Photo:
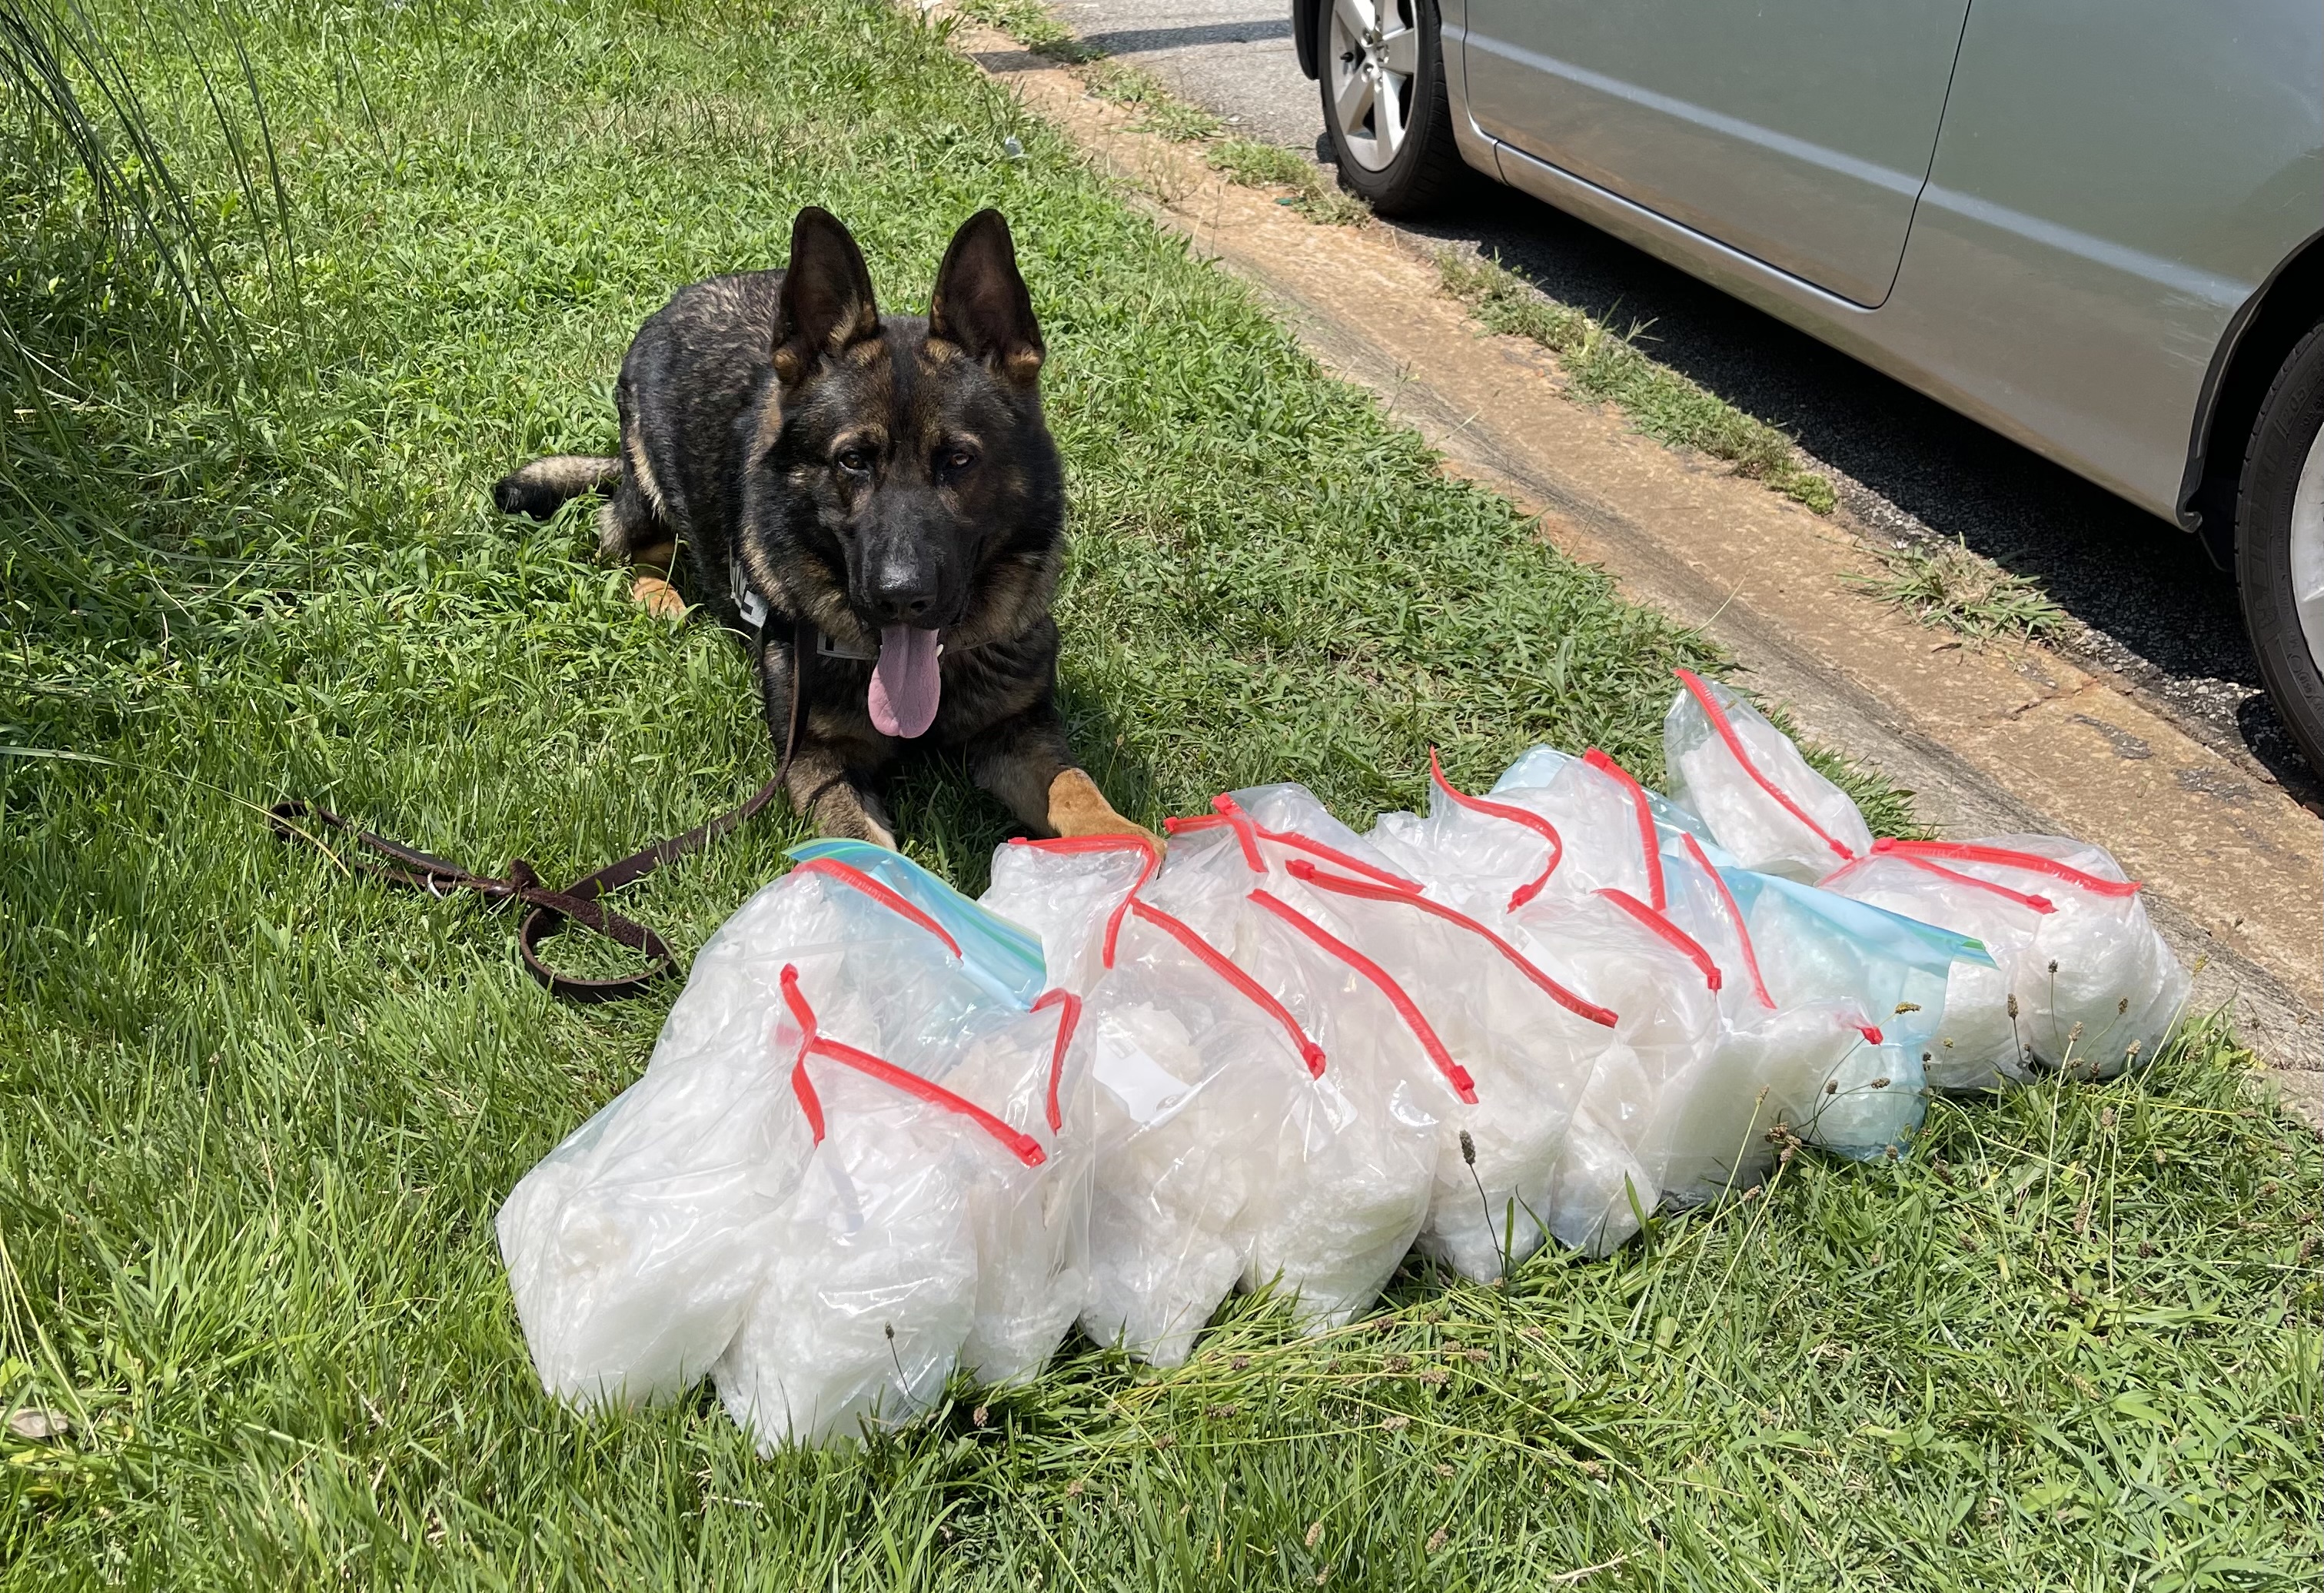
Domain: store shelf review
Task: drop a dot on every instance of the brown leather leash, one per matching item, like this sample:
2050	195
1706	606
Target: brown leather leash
577	903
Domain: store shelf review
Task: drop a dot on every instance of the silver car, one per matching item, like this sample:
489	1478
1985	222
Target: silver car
2096	225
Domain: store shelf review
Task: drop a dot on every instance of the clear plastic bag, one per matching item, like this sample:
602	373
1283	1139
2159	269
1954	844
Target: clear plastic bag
1690	1109
1527	1045
1004	956
1530	1046
1032	1229
1228	1148
1073	893
2080	978
633	1246
1623	1145
1194	1072
1885	971
928	1231
1553	826
1363	1141
1747	781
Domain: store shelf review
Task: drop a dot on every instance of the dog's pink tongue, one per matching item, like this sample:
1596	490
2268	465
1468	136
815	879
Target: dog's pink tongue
904	684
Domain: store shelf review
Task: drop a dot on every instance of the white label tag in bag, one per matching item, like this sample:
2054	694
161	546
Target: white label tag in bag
1149	1092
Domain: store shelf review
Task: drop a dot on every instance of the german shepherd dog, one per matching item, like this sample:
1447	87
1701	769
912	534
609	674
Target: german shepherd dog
873	500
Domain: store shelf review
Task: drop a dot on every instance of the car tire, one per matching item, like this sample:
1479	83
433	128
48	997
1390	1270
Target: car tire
1418	166
2280	544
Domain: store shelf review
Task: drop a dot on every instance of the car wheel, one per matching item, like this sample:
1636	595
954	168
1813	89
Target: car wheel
2280	544
1385	109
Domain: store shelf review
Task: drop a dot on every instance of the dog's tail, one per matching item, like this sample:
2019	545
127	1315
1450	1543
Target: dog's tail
541	488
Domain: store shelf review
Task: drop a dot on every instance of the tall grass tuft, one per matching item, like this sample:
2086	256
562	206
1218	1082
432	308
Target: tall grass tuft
124	287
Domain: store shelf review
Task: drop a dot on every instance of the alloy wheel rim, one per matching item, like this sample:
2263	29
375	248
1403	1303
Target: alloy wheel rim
2307	551
1374	58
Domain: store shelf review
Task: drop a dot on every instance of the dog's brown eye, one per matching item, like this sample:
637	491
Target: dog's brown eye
854	461
959	458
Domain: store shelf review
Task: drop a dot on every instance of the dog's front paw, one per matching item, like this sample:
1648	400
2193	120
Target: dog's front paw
658	597
1077	807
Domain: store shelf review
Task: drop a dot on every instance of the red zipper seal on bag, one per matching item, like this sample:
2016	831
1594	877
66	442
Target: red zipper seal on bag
1454	1073
1216	960
1515	815
1246	830
1022	1145
1648	843
1726	729
1068	845
2004	857
1742	930
1234	814
1068	1019
2040	904
847	874
1669	933
1250	830
1307	873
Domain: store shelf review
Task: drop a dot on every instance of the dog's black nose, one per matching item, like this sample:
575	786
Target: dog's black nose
903	595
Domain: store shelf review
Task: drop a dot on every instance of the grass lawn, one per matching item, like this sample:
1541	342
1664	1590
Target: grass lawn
255	1117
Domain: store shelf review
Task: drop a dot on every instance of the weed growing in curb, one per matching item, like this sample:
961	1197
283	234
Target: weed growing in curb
1944	584
1251	164
1160	112
1607	364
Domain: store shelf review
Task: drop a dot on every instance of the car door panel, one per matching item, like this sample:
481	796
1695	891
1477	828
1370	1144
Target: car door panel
2114	179
1798	131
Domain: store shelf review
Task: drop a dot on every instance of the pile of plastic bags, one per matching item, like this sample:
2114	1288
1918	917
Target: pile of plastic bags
888	1135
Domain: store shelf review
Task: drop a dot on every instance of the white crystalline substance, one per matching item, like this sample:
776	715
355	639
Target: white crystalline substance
1358	1149
1032	1248
1337	1227
1640	1102
2112	1001
1065	895
1707	781
870	1284
1810	963
1625	1145
1173	1171
1030	1224
632	1247
1599	1189
1527	1056
1822	1078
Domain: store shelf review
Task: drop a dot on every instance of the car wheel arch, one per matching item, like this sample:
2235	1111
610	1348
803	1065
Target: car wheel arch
2282	311
1303	32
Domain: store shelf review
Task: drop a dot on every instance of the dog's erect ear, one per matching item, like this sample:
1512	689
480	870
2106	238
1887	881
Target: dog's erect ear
982	306
827	301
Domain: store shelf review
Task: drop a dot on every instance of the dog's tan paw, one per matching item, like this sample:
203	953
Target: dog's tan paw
658	597
1077	807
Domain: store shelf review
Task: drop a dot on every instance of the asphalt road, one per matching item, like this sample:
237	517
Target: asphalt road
2150	605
